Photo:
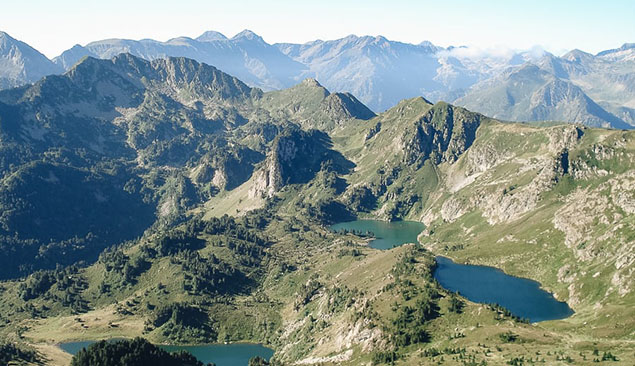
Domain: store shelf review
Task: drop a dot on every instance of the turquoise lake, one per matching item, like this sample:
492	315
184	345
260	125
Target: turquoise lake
522	297
236	354
387	234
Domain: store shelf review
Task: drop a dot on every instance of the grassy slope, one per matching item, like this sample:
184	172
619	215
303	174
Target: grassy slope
473	216
350	300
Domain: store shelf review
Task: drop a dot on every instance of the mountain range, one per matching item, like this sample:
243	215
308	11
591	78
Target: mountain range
137	118
170	200
595	90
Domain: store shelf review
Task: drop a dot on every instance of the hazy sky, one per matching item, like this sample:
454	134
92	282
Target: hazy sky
557	25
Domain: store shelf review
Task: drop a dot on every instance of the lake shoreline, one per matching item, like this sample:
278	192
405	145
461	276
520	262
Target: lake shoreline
522	293
561	309
540	284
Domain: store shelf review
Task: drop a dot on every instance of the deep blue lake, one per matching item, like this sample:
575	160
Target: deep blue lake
236	354
522	297
387	234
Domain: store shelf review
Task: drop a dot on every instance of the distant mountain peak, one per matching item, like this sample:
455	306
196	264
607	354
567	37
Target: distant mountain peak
249	35
211	36
625	47
577	55
6	39
21	64
173	40
351	38
71	56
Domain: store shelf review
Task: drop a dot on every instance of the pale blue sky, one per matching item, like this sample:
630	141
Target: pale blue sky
557	25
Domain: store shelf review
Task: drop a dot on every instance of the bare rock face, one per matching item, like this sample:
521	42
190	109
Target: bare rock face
453	208
593	218
564	138
268	180
503	204
508	203
203	174
295	157
226	169
220	178
483	157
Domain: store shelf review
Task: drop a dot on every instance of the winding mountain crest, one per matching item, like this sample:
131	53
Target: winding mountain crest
381	72
628	47
246	55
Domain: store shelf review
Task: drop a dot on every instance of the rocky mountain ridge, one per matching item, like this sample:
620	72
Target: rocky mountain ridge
155	136
594	89
21	64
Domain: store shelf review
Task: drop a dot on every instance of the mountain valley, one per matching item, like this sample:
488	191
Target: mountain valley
170	200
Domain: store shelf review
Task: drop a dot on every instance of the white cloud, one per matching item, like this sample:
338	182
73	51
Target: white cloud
497	52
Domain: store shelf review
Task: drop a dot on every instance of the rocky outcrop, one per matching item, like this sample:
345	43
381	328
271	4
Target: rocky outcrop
504	204
585	209
295	156
267	180
442	134
373	131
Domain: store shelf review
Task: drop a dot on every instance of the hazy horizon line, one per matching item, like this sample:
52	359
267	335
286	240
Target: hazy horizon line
493	49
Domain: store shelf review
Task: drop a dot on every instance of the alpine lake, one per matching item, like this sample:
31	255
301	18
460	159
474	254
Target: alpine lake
524	298
235	354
